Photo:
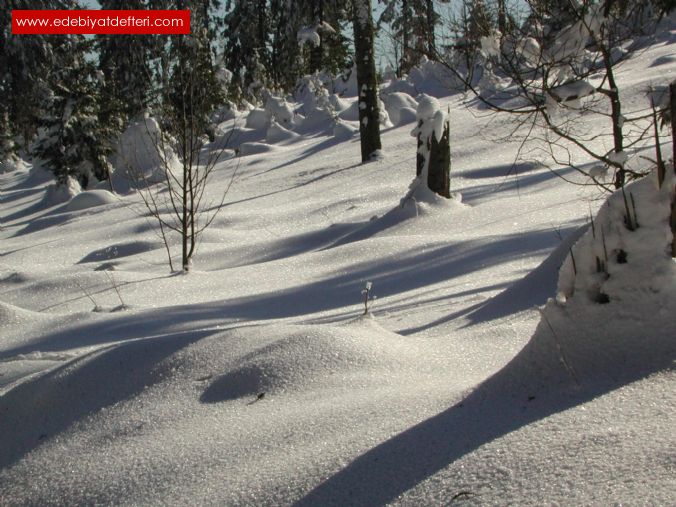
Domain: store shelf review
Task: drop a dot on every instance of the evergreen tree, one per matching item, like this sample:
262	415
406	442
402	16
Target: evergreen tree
6	136
73	142
413	24
25	63
125	63
290	61
193	89
246	43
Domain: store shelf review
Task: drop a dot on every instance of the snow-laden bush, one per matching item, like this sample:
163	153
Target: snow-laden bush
140	155
346	85
257	119
401	108
58	194
90	199
277	133
625	256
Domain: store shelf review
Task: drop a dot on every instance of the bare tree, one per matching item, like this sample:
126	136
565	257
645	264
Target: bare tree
563	83
176	195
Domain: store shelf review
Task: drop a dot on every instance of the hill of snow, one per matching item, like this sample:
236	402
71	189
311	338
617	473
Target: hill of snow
481	375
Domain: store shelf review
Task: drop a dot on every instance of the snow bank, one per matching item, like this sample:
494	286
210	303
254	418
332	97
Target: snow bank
345	130
612	319
141	156
90	199
346	85
257	119
401	108
276	133
246	149
13	315
12	164
624	257
59	194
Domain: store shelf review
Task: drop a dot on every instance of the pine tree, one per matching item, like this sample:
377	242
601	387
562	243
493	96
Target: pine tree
25	63
413	23
6	136
289	61
74	143
246	43
194	90
125	63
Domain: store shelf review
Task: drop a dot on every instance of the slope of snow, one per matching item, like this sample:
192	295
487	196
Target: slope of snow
255	379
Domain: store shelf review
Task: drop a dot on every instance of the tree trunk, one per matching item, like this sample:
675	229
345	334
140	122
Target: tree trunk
419	158
317	52
369	115
616	117
672	102
502	21
431	22
439	169
404	64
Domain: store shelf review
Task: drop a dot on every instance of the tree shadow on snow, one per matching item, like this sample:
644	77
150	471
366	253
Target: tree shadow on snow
532	290
38	410
533	386
390	274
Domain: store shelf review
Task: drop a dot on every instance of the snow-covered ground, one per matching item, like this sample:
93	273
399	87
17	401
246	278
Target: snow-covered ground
255	379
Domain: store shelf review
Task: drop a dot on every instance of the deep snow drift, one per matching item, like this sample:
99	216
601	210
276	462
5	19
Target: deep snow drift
255	380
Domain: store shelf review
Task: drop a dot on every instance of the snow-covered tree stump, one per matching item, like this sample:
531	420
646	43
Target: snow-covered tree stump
433	161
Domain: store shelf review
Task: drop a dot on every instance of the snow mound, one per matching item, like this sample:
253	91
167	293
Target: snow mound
276	133
624	255
345	130
12	164
620	270
62	193
246	149
400	107
351	113
12	315
346	85
141	155
338	103
257	119
279	111
302	358
90	199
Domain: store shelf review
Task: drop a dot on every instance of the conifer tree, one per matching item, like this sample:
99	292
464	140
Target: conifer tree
73	143
125	63
25	63
190	56
246	43
6	136
413	23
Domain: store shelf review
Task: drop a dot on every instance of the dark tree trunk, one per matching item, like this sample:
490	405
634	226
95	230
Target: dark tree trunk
431	22
369	127
502	20
262	27
317	53
616	117
672	97
404	64
439	170
420	158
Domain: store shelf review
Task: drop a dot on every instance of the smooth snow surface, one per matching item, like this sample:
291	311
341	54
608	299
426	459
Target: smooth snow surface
480	376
